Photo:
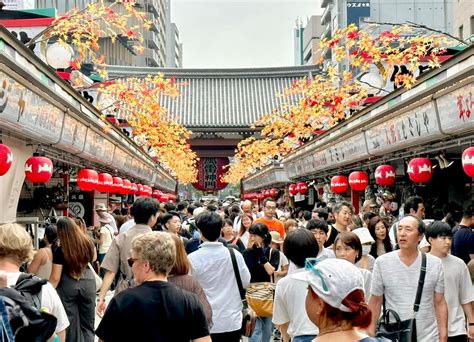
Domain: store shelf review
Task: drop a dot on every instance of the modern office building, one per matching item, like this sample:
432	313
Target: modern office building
157	11
463	18
307	50
174	49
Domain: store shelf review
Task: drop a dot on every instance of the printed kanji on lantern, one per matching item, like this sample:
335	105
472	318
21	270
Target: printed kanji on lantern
468	161
117	185
420	170
6	159
273	192
385	175
87	179
302	188
105	182
292	189
127	187
339	184
38	169
358	180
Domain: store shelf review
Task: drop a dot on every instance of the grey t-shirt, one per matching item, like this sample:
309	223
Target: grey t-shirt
399	282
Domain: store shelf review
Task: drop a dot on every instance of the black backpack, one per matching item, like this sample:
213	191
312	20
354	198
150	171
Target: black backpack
23	306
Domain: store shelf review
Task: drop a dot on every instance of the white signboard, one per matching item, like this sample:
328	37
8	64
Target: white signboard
456	110
19	4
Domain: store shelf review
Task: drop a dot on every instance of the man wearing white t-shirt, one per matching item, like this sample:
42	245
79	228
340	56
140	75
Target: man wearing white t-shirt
290	294
395	277
459	292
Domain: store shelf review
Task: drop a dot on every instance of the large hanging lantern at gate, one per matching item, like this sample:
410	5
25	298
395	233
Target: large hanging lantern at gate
302	188
358	180
38	169
105	182
420	170
210	171
339	184
385	175
468	161
292	189
6	159
87	179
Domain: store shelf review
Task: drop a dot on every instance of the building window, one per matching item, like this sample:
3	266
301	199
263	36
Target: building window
472	25
460	32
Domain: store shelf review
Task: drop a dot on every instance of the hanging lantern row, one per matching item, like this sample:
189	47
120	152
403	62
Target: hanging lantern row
89	180
273	193
300	188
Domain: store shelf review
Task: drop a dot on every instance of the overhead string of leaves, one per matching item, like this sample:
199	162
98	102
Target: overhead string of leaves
331	97
137	100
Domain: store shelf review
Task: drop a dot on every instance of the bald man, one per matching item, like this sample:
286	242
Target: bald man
246	207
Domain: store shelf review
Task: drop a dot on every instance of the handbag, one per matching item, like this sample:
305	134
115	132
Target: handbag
249	318
98	280
402	331
260	296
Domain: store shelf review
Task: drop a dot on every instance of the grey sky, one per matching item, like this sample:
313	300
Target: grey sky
244	33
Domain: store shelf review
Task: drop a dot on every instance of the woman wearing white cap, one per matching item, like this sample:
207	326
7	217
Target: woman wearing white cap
335	300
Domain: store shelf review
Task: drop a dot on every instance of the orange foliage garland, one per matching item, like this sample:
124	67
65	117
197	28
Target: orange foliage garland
137	101
330	98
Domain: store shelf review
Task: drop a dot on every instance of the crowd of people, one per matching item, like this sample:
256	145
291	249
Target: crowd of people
176	272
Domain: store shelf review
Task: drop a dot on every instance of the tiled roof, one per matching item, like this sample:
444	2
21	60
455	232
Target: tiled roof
224	97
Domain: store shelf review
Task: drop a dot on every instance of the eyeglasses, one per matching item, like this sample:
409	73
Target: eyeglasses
131	261
310	265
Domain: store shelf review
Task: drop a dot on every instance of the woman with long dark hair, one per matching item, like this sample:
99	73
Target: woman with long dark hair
378	228
74	280
246	221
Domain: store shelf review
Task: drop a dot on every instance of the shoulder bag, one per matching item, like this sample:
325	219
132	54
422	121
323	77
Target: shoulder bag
249	318
402	331
260	296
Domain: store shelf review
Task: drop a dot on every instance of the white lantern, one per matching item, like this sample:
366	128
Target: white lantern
59	55
371	82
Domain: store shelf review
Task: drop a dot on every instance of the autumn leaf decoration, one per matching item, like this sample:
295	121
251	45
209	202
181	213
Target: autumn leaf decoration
83	29
137	101
329	98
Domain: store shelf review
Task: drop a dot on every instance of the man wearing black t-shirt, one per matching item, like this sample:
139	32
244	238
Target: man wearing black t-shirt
463	238
343	212
155	310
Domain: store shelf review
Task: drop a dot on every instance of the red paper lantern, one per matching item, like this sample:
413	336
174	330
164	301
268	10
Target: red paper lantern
292	189
87	180
358	180
127	187
210	171
385	175
302	188
164	198
104	183
6	159
38	169
260	196
117	186
134	189
420	170
148	190
468	161
139	190
172	197
273	192
339	184
266	193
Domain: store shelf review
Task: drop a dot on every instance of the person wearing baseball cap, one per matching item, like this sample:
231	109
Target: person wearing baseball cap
335	300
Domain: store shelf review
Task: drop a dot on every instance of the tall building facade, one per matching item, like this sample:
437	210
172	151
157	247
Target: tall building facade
174	48
463	19
307	40
122	53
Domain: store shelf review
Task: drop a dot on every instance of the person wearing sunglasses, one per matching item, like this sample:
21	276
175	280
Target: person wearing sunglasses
154	310
335	300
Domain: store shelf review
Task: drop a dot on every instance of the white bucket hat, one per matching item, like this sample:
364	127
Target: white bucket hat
332	280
